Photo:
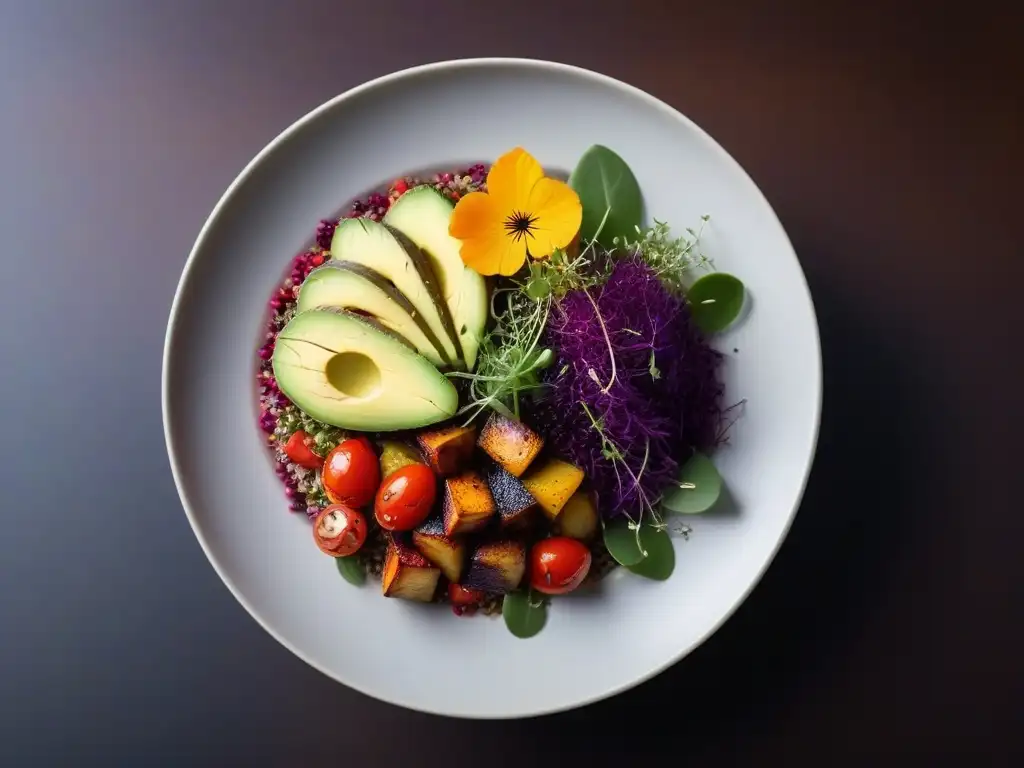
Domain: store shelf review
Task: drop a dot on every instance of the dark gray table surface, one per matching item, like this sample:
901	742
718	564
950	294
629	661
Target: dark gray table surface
889	140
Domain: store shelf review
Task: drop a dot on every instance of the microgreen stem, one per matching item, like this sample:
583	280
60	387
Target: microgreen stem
607	340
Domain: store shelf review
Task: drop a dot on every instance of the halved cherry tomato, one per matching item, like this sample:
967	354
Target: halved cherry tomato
351	473
339	531
405	498
463	597
558	565
299	450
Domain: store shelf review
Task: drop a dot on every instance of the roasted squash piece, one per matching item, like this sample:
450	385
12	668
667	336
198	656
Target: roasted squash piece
395	454
449	449
578	518
510	443
468	504
446	553
514	503
496	567
552	484
407	574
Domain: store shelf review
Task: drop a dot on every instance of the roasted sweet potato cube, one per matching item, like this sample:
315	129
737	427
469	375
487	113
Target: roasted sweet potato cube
510	443
449	449
552	484
496	567
467	505
395	454
407	574
515	504
446	553
578	518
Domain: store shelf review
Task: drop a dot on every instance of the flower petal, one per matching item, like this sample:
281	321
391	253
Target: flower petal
495	254
475	215
558	213
511	179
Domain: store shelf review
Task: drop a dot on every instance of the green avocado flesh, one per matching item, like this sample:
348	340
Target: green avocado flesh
354	287
346	371
423	215
397	259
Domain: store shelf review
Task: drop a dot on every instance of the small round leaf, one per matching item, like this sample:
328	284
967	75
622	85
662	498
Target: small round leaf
661	555
524	612
715	301
697	489
621	542
351	569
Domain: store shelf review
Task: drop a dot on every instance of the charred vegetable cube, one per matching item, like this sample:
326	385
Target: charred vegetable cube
552	484
510	443
446	553
468	504
578	518
496	567
407	574
394	455
515	504
448	450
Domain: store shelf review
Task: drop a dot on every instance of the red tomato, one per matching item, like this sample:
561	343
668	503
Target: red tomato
458	595
405	499
351	473
558	565
339	531
299	451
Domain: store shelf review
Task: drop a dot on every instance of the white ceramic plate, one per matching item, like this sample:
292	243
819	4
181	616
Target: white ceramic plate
443	116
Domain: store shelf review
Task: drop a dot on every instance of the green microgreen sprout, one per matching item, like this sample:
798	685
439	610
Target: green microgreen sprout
670	257
510	358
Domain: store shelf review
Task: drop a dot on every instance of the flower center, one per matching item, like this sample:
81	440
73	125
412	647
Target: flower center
520	224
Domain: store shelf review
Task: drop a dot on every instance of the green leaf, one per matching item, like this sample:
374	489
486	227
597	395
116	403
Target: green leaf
524	612
697	489
351	569
538	288
715	301
610	196
621	542
661	555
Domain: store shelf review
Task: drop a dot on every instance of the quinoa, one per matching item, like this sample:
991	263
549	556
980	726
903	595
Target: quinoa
279	418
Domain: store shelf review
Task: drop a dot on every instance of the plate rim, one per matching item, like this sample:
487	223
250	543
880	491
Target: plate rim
425	69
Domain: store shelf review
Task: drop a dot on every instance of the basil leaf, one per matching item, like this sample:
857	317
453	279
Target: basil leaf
351	569
524	612
715	301
697	489
610	196
620	541
661	555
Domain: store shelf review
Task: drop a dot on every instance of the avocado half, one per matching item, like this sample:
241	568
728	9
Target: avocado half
397	259
349	372
423	214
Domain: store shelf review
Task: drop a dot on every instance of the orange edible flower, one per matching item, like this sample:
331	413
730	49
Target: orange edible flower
523	212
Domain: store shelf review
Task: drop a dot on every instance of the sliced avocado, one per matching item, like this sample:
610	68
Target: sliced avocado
396	258
347	371
351	286
423	214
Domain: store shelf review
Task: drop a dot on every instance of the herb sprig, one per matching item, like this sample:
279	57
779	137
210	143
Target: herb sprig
511	358
670	257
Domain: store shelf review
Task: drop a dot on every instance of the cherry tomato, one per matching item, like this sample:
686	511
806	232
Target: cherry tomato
458	595
558	565
351	473
339	531
405	498
299	450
